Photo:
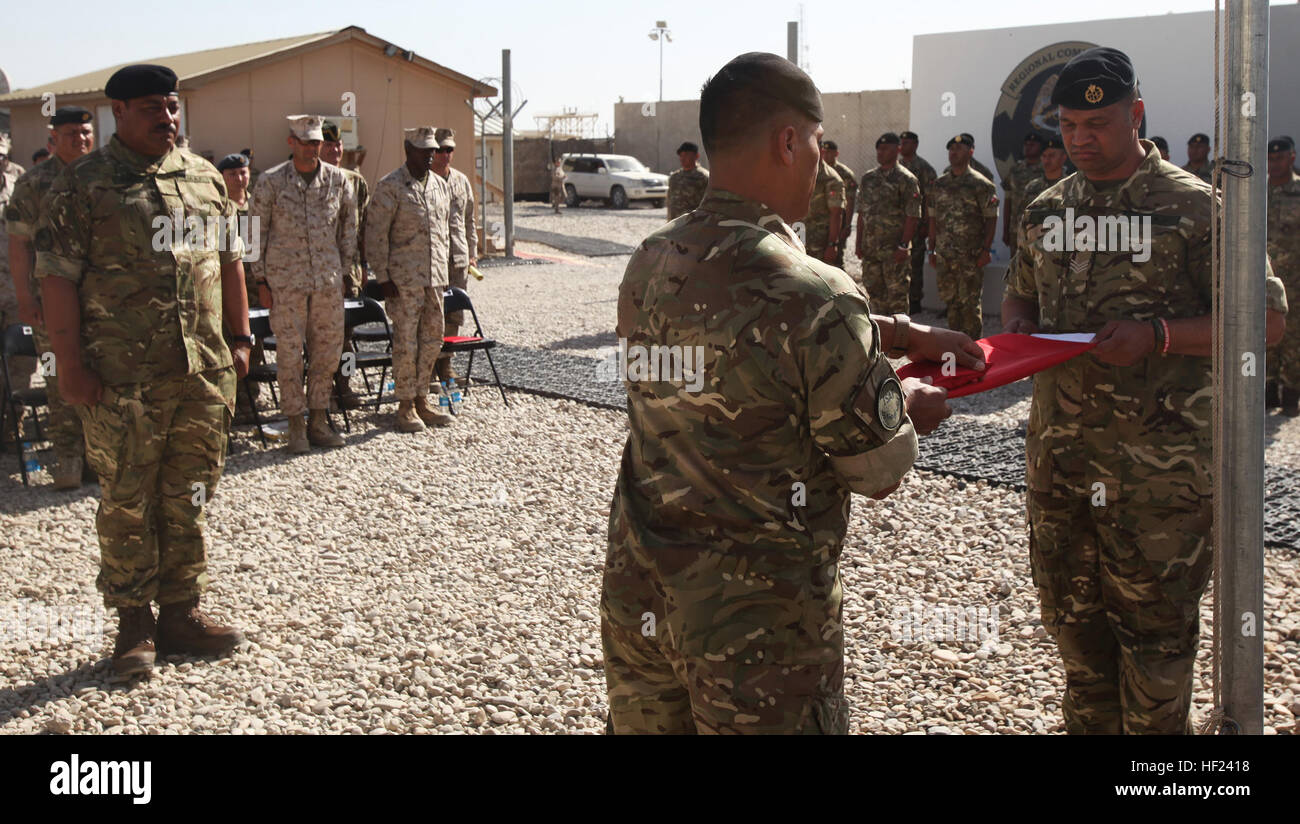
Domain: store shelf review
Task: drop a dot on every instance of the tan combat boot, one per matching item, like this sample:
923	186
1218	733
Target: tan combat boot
430	414
68	472
182	629
297	444
407	420
134	651
319	432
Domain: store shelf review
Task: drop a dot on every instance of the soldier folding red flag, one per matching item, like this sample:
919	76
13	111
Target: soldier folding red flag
1007	358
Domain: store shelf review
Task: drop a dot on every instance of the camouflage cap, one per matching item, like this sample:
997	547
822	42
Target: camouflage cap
1281	144
1198	138
330	132
70	114
1094	78
141	80
422	137
446	138
306	126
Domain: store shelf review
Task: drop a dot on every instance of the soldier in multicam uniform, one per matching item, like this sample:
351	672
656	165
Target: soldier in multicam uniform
963	206
831	154
925	176
889	209
822	224
557	184
1284	251
720	605
307	215
1028	168
1053	160
135	323
407	234
73	136
686	185
331	152
22	369
1198	157
1119	440
234	170
463	242
1162	145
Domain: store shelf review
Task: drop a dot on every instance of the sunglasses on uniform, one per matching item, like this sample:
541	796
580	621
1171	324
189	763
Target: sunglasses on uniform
443	150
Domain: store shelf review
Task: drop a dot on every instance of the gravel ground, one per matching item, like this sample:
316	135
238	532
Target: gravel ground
448	581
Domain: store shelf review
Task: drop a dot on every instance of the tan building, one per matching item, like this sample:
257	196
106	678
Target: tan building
237	97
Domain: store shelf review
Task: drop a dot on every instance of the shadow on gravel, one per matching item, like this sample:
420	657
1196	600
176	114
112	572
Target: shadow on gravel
584	341
99	675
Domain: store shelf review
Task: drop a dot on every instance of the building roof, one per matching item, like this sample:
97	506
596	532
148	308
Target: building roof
197	68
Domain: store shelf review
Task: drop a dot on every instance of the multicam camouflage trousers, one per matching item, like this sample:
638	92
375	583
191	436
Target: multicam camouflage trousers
1120	587
887	283
159	450
64	427
315	318
961	288
416	313
916	287
1286	355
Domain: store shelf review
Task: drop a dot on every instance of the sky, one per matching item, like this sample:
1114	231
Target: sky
564	54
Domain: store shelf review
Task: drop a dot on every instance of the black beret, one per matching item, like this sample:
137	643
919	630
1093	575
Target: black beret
1161	143
71	114
962	139
688	146
1281	144
330	132
40	154
909	136
1054	142
775	77
831	144
888	139
1199	138
140	80
969	138
232	161
1036	137
1094	78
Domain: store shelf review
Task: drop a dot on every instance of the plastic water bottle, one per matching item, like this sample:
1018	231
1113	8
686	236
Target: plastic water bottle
456	399
392	386
30	461
444	398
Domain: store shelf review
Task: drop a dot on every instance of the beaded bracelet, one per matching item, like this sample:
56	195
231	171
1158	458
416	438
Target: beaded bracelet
1165	325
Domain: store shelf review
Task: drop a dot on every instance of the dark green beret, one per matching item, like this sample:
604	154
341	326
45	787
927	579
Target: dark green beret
141	80
330	132
232	161
1054	142
1281	144
1036	137
888	139
962	139
71	114
1161	143
831	144
688	147
1094	78
909	136
1198	138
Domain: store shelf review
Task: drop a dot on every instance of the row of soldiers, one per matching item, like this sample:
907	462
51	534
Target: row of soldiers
151	336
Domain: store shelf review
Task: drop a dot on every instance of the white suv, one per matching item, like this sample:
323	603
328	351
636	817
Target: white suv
615	179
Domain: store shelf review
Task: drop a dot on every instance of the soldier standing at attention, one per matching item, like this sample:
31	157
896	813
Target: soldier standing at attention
889	210
1284	252
1162	145
407	240
925	176
963	217
1028	168
135	323
557	184
74	137
307	212
686	185
234	170
1054	158
1198	157
1119	440
463	242
720	606
825	212
331	152
831	154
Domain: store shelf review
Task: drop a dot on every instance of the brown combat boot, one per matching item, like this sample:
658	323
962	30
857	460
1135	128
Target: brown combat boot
182	629
430	414
68	472
297	444
134	651
407	420
319	432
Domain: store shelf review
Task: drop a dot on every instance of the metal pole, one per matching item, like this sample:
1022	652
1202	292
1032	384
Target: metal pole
661	66
1240	465
482	181
508	152
792	41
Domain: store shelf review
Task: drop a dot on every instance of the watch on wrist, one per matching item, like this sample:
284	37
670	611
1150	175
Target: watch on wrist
248	339
902	331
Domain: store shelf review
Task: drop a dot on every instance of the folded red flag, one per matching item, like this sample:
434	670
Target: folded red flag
1007	359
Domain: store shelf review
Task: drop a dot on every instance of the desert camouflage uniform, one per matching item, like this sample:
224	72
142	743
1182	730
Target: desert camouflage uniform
1284	252
21	215
463	244
1120	583
886	198
557	186
686	190
1015	185
850	206
356	275
925	177
21	369
720	606
828	193
309	239
151	330
407	235
960	205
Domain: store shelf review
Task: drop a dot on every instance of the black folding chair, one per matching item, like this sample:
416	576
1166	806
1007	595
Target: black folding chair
454	299
259	323
373	332
366	312
19	343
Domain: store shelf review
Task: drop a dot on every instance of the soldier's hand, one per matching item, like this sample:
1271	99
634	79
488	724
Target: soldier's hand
29	312
1124	342
80	385
1021	326
264	295
927	405
900	256
936	344
984	258
240	353
388	289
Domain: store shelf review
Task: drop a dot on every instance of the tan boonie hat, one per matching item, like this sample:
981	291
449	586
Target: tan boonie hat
306	126
446	138
422	137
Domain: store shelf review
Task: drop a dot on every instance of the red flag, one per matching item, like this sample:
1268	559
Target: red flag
1007	358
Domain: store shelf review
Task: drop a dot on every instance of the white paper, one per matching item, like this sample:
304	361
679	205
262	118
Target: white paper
1068	337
